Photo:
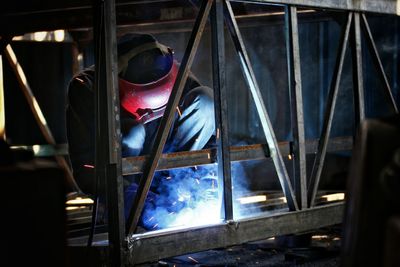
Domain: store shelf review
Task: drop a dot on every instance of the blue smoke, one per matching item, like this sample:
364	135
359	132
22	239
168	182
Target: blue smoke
180	197
189	197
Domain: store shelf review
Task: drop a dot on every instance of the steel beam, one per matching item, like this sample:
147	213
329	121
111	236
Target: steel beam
377	61
158	245
134	165
358	79
2	108
166	121
328	115
108	168
378	6
260	106
221	108
296	99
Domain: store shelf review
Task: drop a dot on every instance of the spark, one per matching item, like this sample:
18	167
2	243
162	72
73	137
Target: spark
174	203
190	258
80	80
155	225
88	166
197	181
149	220
179	111
195	167
208	155
290	157
168	178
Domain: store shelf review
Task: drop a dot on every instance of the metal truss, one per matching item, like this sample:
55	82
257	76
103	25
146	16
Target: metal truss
302	215
128	248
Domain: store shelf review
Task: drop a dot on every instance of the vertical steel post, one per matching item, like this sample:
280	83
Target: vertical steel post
358	81
296	99
328	115
2	108
261	109
378	63
108	167
221	107
166	121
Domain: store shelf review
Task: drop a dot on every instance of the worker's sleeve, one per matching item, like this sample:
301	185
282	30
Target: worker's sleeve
195	124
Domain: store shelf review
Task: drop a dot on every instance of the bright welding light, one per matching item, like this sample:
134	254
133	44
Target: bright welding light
319	237
72	208
35	149
39	36
59	35
252	199
333	197
284	200
398	7
80	201
204	213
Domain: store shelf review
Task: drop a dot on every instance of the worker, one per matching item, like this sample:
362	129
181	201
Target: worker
147	72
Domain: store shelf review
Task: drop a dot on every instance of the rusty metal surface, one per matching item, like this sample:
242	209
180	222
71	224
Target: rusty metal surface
155	246
134	165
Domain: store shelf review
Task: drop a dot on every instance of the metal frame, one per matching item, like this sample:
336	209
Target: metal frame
155	245
127	248
296	99
166	121
108	170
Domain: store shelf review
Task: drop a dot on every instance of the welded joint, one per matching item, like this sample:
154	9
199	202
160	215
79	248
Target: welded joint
233	224
267	150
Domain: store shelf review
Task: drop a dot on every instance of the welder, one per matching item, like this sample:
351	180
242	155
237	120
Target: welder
147	72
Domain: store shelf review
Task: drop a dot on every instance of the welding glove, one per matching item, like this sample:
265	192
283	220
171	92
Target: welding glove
195	125
133	137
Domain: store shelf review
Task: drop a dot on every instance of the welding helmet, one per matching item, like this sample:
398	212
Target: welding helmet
147	72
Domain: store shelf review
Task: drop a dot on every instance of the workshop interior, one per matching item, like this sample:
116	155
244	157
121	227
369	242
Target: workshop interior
302	167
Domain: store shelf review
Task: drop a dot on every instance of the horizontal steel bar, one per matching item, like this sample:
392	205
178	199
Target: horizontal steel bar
158	245
44	150
377	6
134	165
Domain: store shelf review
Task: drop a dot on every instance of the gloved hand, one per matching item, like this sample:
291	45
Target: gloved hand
133	140
195	124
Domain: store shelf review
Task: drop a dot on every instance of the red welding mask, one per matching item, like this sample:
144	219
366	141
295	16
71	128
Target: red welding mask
147	76
147	102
